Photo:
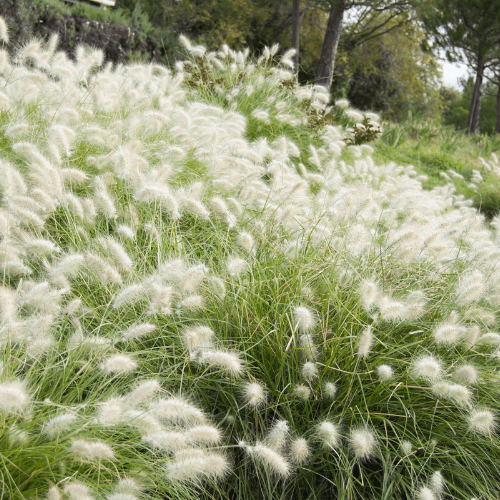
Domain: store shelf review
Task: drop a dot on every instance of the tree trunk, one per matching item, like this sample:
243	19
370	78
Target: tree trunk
475	105
330	44
295	34
498	106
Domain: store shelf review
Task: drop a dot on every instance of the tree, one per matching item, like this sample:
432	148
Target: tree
470	30
493	92
494	79
238	23
336	10
391	73
498	104
295	33
457	113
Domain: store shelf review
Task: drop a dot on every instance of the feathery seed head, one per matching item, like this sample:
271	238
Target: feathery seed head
365	342
415	305
466	374
370	293
447	333
54	493
425	493
299	451
110	412
138	331
73	306
126	232
128	295
428	367
385	372
119	363
363	442
254	394
17	436
166	441
121	496
277	435
192	277
205	434
390	310
177	411
92	450
8	305
246	241
302	392
117	253
227	361
59	424
102	199
219	205
330	389
13	396
472	335
127	485
406	447
199	337
195	207
269	458
77	491
309	371
142	392
308	349
471	287
161	302
102	269
287	58
305	319
142	420
217	286
355	115
236	267
4	31
193	465
329	434
441	389
490	338
191	302
482	421
437	483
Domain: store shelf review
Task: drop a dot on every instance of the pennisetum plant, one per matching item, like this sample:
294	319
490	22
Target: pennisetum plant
202	296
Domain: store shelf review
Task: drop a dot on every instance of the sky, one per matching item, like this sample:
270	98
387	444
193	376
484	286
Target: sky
451	74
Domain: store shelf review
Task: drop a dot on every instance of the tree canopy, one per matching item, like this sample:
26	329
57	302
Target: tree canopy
378	53
392	72
470	30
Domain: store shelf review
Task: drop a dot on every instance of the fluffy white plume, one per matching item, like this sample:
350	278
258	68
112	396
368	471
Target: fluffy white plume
13	396
92	450
59	424
305	319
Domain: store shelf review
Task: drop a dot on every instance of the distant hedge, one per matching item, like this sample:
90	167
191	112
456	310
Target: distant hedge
118	34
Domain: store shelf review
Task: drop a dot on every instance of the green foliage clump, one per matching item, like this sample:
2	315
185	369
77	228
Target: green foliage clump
457	110
363	133
114	15
444	155
200	76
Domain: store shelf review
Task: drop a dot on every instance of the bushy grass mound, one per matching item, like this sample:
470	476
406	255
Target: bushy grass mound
446	156
200	299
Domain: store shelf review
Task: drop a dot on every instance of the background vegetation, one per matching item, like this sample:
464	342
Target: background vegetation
385	60
213	286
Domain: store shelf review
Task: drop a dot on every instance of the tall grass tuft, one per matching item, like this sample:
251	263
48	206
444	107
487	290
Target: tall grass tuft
201	297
